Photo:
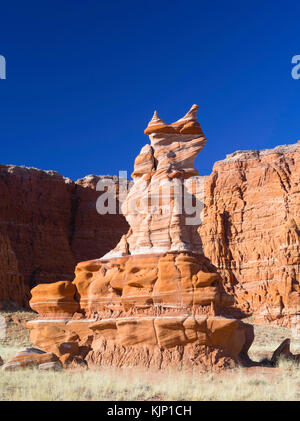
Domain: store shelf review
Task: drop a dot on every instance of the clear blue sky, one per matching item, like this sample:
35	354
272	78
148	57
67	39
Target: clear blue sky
84	77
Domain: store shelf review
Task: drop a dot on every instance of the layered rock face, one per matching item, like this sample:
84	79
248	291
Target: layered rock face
250	231
47	224
155	300
12	286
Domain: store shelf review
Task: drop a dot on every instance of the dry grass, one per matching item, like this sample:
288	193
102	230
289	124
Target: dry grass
17	336
134	384
253	384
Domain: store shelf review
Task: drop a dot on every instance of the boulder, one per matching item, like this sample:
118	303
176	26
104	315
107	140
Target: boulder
29	358
284	352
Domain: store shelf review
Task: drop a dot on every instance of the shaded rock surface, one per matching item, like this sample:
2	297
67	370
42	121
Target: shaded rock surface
47	224
284	352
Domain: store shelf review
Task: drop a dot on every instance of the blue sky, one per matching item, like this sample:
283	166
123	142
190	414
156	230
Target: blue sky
83	78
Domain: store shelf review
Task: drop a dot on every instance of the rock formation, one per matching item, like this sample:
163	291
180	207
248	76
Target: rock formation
32	357
155	300
251	231
48	223
284	352
244	218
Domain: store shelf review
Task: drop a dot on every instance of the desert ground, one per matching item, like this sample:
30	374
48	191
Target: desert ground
257	383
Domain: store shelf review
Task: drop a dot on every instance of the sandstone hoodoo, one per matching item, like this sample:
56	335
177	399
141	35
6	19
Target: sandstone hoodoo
155	300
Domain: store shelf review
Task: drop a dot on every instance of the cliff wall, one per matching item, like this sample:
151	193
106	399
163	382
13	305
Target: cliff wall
48	223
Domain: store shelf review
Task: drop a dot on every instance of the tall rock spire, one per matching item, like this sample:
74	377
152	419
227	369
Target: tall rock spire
156	120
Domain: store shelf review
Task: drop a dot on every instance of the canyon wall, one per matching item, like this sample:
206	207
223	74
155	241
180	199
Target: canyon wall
250	230
48	223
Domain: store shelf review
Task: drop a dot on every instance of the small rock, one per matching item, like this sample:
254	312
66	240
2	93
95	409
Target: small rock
283	351
51	366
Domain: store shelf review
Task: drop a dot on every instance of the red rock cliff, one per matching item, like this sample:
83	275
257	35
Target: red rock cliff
250	230
47	224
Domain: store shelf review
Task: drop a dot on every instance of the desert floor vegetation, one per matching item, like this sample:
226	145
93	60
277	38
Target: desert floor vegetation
136	384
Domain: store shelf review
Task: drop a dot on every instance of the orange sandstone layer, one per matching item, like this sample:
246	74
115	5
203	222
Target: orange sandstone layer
137	307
